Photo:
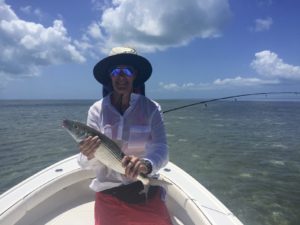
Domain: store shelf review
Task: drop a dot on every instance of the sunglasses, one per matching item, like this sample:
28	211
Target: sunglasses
118	71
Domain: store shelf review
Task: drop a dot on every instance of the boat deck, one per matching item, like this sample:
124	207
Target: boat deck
60	194
78	215
77	211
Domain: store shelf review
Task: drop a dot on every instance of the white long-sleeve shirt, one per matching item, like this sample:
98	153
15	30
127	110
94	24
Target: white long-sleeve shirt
140	132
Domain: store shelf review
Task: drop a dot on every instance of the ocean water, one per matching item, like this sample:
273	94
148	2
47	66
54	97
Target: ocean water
247	153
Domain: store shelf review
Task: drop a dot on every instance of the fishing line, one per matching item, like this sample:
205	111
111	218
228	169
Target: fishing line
230	97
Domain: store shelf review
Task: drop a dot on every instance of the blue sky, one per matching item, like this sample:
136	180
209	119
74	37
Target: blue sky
198	48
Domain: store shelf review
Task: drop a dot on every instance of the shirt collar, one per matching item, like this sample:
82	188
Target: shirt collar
133	99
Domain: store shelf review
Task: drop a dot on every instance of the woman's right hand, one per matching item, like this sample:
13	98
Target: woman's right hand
89	145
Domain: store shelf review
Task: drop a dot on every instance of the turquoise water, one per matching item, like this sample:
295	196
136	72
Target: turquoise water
247	153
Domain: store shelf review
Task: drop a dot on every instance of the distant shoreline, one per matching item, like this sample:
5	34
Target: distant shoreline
166	99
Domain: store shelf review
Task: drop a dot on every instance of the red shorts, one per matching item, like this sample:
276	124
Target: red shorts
111	211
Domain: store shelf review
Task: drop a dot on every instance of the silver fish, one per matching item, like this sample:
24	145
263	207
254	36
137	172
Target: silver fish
108	153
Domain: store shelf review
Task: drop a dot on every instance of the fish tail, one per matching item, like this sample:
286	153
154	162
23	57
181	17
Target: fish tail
153	181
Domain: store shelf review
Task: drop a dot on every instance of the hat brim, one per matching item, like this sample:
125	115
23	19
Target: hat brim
140	64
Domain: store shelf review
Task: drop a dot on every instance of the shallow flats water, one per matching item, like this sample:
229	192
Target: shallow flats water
246	153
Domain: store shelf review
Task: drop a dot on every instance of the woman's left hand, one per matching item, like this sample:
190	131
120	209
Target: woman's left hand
133	166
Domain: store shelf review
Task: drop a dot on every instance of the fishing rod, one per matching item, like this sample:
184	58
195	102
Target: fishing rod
229	97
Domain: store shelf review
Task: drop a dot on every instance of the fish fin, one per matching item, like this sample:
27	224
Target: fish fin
159	180
156	180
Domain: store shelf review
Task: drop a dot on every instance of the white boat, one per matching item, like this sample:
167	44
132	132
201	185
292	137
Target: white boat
59	195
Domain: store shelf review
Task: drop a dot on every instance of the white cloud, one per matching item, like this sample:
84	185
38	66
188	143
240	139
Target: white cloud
27	46
265	3
6	12
156	25
186	86
240	81
268	63
94	31
101	5
28	10
218	83
263	24
171	86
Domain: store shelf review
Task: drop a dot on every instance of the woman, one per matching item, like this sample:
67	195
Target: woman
135	123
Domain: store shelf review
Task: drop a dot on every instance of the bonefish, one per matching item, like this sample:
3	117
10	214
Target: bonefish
108	152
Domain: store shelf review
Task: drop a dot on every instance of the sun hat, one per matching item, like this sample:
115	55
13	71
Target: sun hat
123	56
